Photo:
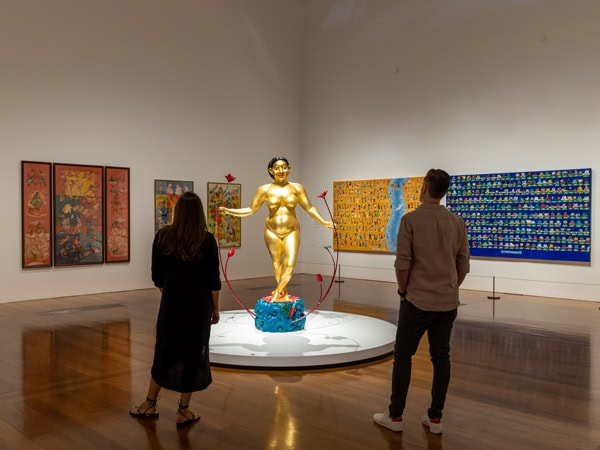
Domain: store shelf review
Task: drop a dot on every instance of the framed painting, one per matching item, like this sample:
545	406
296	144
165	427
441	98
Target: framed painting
368	212
227	229
36	214
166	194
116	214
78	214
541	216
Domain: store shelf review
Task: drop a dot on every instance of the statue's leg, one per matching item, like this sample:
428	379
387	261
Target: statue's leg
290	245
275	246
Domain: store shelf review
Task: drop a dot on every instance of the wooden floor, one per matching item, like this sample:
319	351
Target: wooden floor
526	375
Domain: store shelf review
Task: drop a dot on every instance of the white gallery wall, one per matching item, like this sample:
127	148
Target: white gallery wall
393	88
183	90
347	89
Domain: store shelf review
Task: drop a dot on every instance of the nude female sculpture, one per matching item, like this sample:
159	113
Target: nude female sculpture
282	229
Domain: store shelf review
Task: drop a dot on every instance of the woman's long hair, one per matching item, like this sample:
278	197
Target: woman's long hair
185	236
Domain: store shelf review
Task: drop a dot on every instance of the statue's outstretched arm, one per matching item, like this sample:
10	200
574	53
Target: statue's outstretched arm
257	201
309	207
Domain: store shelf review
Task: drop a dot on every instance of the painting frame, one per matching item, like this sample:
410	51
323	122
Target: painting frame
36	214
367	212
226	229
535	216
117	215
78	220
166	195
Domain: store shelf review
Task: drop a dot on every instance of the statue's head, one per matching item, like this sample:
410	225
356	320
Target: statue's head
273	161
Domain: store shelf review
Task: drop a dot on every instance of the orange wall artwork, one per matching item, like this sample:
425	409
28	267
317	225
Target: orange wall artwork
368	212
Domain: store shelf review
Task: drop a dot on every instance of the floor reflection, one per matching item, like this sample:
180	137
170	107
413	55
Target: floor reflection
499	357
70	364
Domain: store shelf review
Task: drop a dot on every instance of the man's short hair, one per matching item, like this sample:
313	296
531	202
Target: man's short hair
438	182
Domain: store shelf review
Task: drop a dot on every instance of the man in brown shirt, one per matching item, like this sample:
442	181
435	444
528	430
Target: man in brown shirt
432	260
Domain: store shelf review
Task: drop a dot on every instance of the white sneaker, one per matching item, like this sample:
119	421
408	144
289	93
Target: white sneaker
386	421
434	425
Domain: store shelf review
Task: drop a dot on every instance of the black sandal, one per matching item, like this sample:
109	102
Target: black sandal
139	411
195	417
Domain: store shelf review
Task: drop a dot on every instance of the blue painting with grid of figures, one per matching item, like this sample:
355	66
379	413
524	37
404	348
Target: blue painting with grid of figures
541	215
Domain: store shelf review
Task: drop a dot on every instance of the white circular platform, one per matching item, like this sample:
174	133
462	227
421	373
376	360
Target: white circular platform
329	338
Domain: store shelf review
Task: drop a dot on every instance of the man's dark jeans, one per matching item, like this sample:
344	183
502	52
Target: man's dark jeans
412	324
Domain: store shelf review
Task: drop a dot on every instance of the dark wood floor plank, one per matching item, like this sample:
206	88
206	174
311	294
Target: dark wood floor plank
526	375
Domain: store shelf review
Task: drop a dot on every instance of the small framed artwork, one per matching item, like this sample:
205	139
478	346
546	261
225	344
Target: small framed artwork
166	194
78	214
227	229
116	214
36	214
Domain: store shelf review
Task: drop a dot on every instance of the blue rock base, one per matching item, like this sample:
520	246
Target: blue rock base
279	317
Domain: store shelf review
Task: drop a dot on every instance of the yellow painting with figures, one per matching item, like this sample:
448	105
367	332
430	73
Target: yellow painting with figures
367	213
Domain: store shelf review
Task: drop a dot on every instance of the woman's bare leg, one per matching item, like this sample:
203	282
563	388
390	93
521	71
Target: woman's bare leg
153	390
148	406
184	414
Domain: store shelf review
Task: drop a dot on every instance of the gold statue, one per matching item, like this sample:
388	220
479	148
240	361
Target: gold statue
282	229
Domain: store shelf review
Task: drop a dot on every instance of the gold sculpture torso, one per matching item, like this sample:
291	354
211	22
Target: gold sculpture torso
282	229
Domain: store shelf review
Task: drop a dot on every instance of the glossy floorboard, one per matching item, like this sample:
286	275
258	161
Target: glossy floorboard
526	375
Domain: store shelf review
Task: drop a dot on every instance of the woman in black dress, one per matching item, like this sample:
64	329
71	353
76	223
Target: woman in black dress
185	267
